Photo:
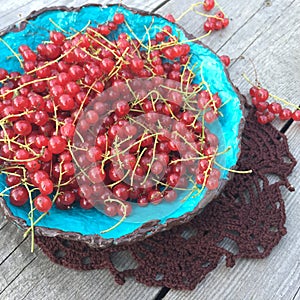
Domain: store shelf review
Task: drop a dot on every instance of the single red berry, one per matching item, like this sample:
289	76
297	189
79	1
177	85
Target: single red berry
142	200
208	5
170	18
42	203
296	115
262	106
12	180
253	91
18	196
262	119
22	127
155	196
285	114
111	209
225	59
96	175
85	203
57	144
119	18
225	22
46	186
3	74
220	14
170	195
121	191
275	108
208	26
125	209
262	94
212	183
57	38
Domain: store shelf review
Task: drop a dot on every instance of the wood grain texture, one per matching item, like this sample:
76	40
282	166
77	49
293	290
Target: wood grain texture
15	263
3	221
10	239
44	280
270	36
15	11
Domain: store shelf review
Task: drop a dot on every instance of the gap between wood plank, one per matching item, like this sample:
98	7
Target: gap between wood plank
162	293
13	251
160	6
18	275
298	291
1	227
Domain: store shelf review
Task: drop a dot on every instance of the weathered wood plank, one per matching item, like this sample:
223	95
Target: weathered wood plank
3	221
10	239
248	19
297	296
13	265
275	56
44	280
18	11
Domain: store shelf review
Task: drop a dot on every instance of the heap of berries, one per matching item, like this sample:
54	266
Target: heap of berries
70	125
268	111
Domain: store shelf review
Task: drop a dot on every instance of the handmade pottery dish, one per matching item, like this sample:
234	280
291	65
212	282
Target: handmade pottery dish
87	225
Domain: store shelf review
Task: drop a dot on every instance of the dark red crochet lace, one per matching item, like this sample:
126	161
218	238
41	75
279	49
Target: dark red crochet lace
246	220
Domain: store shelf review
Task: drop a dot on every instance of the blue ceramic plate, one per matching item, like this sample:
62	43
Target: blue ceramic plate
87	225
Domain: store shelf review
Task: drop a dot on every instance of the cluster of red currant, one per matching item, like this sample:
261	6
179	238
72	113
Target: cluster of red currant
267	112
213	22
85	88
216	22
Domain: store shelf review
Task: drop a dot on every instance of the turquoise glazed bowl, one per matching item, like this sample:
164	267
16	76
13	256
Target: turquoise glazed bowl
87	225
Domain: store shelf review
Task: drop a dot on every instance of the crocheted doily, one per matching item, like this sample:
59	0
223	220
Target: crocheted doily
246	220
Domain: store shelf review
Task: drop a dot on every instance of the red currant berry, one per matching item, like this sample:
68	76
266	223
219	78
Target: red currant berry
57	144
46	186
119	18
18	196
208	5
225	59
296	115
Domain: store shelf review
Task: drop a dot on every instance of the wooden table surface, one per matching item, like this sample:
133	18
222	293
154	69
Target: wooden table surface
264	31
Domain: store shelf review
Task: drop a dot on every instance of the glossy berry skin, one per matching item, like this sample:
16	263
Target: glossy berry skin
118	18
18	196
57	144
22	127
121	191
225	59
46	186
285	114
170	18
296	115
42	203
208	5
262	94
